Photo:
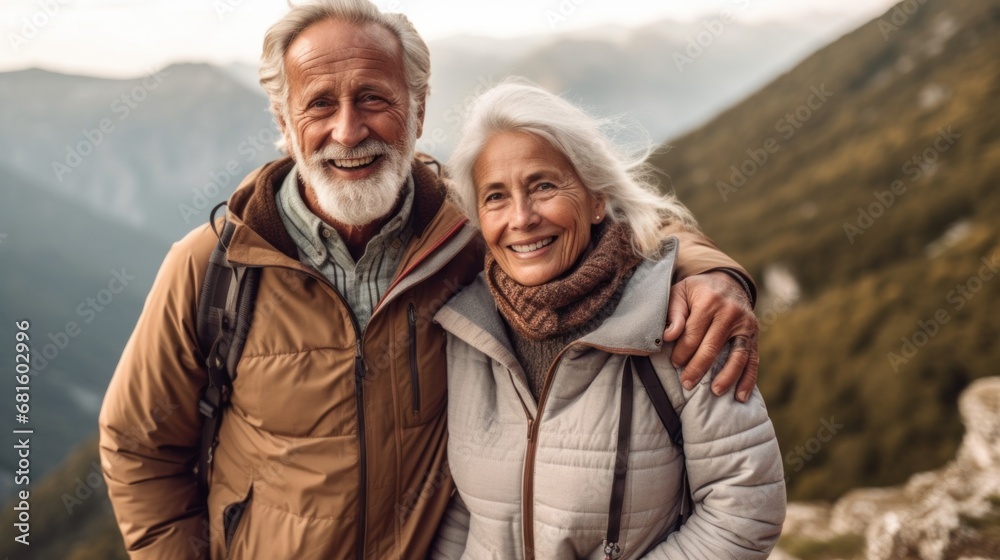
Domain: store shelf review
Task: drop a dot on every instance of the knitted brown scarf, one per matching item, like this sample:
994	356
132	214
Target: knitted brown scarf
568	302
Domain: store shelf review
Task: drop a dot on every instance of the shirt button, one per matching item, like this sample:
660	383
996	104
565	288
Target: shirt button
327	233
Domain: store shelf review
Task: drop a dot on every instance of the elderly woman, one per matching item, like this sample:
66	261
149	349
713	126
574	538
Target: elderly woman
562	397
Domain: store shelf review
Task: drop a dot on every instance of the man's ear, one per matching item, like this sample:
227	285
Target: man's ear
420	116
279	117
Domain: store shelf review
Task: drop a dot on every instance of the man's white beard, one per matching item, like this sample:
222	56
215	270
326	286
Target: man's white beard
363	201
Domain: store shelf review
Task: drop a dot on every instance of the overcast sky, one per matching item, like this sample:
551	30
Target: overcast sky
132	37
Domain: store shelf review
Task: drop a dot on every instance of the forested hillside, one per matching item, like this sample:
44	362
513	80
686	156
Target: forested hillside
868	175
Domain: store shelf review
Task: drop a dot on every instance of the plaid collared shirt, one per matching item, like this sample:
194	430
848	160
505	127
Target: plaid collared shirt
362	283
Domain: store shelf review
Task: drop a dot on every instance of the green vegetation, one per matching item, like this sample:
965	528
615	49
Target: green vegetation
71	517
822	205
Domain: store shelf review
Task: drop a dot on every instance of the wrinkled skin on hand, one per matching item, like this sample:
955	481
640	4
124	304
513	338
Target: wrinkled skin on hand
706	312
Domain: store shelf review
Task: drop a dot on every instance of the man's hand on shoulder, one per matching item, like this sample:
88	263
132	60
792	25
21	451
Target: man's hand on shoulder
706	311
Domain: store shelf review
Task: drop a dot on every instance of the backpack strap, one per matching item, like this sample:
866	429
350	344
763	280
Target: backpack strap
611	548
225	309
671	421
643	367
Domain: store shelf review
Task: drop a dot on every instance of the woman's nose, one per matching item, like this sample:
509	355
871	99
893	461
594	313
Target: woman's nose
524	215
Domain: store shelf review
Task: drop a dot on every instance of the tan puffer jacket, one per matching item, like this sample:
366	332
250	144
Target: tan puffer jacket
534	478
311	459
311	464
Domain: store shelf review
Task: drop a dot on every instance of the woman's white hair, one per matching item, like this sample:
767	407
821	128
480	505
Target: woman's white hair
624	181
274	78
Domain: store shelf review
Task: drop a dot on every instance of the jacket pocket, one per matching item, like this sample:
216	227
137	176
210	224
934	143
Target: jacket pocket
411	315
232	518
420	366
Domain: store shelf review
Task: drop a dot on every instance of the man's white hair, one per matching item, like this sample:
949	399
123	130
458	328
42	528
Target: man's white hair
272	73
623	181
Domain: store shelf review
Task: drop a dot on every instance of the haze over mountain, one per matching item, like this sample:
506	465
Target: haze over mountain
135	151
666	77
158	151
677	74
79	280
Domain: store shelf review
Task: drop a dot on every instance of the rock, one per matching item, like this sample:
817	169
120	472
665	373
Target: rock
779	554
856	510
934	516
979	406
808	520
943	499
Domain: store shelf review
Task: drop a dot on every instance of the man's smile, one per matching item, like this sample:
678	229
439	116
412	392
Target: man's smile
353	163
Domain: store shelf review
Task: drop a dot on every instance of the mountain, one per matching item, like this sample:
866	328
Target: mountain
677	75
160	150
868	176
79	280
668	92
156	151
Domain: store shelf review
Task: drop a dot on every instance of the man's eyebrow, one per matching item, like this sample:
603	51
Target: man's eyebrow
382	90
315	90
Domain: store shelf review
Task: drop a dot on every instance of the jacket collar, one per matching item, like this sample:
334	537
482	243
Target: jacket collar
636	327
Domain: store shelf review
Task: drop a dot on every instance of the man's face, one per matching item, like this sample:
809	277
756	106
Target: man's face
349	119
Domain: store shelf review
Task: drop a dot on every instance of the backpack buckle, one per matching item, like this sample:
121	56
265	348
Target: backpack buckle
208	405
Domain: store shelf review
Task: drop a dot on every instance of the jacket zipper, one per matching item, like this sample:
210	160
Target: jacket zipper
359	380
528	483
528	494
411	314
359	375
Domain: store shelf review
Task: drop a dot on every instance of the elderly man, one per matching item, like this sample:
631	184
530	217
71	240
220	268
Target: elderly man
333	443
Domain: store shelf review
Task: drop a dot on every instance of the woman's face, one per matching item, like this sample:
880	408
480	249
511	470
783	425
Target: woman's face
534	210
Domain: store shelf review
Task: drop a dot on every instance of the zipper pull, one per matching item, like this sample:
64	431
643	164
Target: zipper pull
411	312
359	362
531	424
611	550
